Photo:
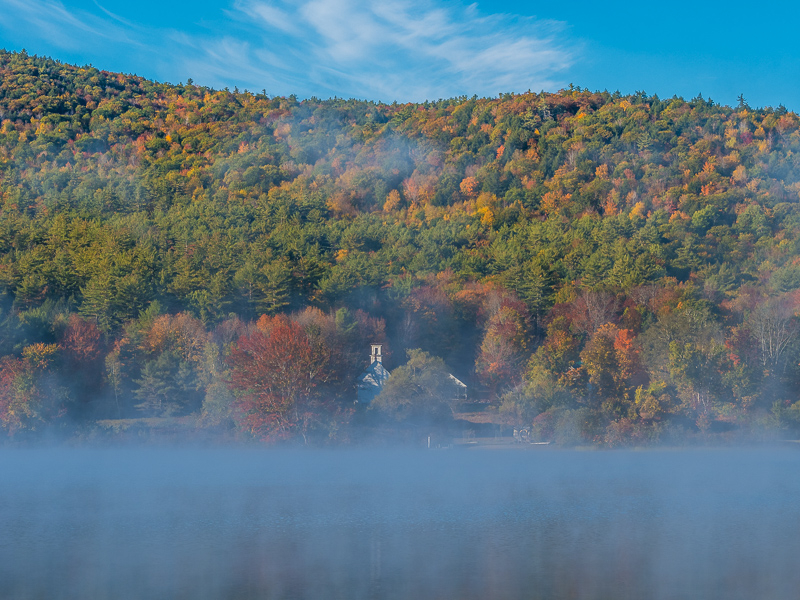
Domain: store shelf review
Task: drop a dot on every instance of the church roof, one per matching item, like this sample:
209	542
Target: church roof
457	381
374	375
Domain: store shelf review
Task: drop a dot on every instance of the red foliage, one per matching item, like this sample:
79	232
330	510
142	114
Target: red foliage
82	341
590	310
741	346
275	370
502	351
430	305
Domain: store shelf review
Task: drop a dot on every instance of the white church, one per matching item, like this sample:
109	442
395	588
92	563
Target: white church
372	380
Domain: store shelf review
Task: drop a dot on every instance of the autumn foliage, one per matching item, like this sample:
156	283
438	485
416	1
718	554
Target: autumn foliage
276	369
602	268
30	397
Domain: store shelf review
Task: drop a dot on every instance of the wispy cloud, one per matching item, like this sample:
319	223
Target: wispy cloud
394	50
61	26
411	48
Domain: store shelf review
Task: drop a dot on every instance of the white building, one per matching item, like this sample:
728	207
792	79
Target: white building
371	381
460	389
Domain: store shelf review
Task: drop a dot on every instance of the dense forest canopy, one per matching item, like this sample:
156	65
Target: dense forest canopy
601	268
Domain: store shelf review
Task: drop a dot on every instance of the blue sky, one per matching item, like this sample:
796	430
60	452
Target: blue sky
413	50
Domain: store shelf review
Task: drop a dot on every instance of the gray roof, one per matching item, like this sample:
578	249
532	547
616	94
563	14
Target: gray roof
457	381
374	375
371	381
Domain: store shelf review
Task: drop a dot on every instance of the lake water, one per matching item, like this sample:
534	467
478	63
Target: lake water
352	524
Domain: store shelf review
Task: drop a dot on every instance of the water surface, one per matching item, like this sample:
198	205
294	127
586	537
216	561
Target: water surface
351	524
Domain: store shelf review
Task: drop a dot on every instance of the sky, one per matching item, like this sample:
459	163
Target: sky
415	50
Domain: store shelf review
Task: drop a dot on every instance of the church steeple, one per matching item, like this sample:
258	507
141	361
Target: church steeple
374	376
375	354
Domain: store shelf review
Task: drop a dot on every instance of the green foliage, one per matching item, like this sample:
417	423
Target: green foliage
421	391
671	220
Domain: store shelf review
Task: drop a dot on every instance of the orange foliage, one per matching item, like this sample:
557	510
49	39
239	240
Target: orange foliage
553	200
626	352
181	333
469	187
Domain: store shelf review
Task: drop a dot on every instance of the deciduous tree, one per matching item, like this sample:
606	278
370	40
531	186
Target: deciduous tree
421	391
275	370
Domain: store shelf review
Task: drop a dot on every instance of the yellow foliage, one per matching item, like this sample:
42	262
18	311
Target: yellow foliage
433	212
393	201
638	210
652	403
731	159
43	128
39	354
485	199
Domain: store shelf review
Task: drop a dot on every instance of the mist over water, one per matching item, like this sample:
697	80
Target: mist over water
181	523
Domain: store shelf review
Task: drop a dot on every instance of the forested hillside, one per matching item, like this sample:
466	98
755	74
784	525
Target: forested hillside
605	269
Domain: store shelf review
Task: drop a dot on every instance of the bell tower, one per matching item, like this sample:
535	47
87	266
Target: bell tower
375	354
372	380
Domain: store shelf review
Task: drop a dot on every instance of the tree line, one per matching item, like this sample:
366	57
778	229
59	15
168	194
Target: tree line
601	268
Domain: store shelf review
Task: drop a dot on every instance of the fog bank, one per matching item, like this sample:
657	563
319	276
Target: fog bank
156	523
